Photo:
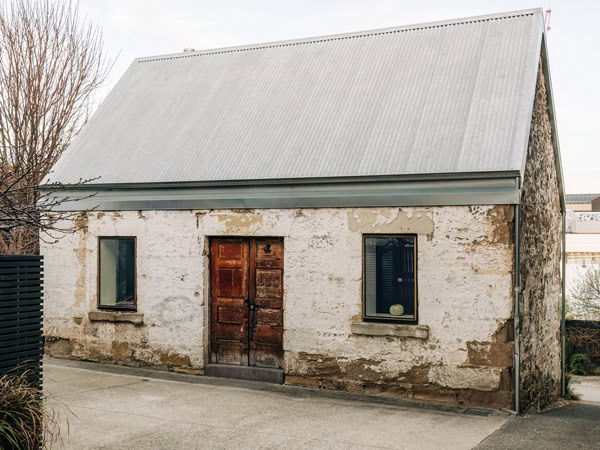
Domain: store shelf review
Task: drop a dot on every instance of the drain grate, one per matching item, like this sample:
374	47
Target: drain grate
478	412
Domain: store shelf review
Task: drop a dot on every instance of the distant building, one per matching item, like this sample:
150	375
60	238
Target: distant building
583	202
583	243
596	203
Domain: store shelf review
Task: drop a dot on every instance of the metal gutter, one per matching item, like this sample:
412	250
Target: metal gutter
380	192
285	181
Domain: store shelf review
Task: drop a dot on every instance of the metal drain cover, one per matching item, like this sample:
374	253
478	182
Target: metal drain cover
478	412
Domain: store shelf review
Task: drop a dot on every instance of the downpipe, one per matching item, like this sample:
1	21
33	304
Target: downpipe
517	313
563	333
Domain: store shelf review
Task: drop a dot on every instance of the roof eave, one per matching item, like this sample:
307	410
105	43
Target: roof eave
433	177
354	192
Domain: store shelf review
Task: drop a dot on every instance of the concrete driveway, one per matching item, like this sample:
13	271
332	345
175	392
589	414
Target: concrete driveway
124	408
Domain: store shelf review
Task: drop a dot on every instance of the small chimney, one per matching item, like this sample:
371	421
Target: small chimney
189	49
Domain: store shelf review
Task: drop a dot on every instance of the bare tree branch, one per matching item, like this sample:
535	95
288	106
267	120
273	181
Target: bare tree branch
585	295
51	64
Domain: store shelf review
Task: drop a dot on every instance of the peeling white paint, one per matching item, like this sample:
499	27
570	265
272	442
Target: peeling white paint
464	283
481	379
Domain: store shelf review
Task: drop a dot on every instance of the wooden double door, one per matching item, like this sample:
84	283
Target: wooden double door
247	301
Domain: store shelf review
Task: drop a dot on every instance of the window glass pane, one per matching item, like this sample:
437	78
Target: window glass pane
390	277
117	272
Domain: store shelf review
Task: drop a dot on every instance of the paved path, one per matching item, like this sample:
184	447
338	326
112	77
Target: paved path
130	410
588	388
574	426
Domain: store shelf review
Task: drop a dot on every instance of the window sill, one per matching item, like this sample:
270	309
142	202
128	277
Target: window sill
116	316
390	329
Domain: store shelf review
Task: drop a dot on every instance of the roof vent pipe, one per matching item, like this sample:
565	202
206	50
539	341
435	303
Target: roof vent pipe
188	49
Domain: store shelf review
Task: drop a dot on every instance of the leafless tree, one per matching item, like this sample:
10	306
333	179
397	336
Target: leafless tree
52	63
585	295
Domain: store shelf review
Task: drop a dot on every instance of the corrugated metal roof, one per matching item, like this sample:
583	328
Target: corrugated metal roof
446	97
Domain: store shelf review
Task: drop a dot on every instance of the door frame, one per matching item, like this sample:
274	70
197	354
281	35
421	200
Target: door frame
208	321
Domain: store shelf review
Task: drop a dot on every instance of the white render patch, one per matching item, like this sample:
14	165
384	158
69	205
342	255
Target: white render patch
464	288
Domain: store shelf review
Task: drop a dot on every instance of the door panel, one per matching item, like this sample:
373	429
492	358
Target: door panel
229	311
231	352
247	302
230	282
268	284
231	250
266	336
227	314
266	316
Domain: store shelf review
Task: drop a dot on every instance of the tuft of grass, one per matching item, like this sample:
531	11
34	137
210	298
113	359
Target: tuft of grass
570	392
25	421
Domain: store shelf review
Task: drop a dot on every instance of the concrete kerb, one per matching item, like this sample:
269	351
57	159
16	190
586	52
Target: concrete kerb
292	391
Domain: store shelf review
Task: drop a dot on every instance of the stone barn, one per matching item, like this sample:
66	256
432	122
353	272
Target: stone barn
378	211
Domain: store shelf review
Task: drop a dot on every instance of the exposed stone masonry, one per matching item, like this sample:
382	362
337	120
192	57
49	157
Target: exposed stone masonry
540	264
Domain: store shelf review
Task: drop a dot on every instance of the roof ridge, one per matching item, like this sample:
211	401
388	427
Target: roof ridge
342	36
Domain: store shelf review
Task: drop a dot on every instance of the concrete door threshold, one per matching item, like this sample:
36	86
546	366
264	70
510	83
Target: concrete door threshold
264	374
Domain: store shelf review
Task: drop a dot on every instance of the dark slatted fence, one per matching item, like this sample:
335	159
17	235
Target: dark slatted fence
584	336
21	340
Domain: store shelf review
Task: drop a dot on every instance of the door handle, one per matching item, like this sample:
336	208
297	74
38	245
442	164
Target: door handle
252	306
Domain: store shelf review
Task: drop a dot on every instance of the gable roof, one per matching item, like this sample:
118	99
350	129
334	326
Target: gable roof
452	97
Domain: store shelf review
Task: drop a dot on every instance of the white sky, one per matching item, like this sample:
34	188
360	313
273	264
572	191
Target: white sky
135	28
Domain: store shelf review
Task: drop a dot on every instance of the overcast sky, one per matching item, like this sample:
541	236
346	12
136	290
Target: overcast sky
135	28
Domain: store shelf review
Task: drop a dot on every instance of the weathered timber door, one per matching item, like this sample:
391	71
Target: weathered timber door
247	301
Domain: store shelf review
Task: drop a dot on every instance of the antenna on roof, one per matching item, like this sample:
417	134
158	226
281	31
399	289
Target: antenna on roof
547	18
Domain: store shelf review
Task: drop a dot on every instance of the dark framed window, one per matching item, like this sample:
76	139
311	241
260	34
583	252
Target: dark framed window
116	273
390	278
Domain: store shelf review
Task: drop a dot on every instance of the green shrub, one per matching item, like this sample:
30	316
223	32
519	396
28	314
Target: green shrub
580	364
570	392
569	352
25	422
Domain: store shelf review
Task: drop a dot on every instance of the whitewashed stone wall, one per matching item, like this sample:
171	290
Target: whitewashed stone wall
465	265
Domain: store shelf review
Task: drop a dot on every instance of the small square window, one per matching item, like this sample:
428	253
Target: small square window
116	284
390	282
